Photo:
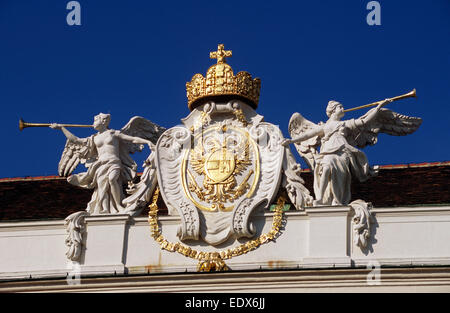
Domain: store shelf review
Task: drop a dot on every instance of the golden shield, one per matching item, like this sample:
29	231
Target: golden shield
221	167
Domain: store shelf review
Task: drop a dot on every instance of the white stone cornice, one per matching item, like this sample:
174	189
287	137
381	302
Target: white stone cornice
328	210
413	210
318	237
31	225
432	279
109	219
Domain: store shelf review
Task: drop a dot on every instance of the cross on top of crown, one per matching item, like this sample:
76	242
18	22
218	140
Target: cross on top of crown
220	54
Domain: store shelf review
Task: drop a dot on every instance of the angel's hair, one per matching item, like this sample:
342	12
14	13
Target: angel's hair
108	117
332	104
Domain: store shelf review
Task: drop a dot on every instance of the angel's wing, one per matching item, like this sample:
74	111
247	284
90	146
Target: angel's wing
141	127
307	149
386	121
75	153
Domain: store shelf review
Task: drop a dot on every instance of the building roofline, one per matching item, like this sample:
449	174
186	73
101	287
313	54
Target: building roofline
31	178
384	167
415	165
406	165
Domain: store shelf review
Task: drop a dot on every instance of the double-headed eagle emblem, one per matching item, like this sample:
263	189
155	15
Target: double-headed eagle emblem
216	161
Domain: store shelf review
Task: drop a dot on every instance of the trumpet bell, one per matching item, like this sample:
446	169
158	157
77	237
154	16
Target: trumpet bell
21	124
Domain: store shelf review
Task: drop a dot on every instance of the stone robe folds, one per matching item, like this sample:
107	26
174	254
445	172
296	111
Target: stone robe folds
343	160
97	174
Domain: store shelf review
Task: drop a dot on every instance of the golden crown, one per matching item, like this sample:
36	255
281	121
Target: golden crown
220	81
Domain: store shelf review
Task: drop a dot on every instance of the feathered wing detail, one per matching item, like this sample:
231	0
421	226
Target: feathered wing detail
307	149
143	128
137	127
386	121
139	193
74	154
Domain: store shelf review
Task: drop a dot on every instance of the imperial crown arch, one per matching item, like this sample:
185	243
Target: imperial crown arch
224	162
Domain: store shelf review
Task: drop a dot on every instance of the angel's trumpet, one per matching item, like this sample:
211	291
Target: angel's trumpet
23	125
406	95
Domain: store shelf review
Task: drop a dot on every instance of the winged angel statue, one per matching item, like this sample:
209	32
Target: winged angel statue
339	157
106	156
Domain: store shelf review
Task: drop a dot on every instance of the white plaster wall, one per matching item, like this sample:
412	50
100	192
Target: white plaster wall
409	236
317	237
36	247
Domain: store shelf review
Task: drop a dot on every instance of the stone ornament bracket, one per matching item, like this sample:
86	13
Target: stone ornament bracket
361	223
75	227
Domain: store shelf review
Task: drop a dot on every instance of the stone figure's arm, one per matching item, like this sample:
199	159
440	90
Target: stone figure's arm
318	131
68	134
137	140
367	118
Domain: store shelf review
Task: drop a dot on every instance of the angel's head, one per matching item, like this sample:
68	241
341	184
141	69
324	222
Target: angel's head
102	120
335	107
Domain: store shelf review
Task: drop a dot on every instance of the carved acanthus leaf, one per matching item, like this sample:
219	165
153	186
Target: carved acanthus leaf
361	223
75	228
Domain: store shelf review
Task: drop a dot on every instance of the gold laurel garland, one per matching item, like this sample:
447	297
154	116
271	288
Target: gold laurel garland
212	261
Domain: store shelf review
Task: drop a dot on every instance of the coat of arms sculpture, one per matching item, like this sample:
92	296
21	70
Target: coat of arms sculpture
223	163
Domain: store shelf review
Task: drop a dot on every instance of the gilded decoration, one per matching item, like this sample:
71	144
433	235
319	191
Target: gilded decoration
210	168
213	261
220	80
224	163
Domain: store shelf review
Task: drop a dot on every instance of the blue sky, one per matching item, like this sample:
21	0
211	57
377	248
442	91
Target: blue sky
134	57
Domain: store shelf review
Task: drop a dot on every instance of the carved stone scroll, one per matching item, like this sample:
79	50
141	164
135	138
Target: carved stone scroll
75	228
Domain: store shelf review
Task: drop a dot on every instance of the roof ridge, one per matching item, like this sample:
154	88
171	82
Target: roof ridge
31	178
387	167
405	165
415	165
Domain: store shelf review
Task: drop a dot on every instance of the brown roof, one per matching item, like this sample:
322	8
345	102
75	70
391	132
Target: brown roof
52	197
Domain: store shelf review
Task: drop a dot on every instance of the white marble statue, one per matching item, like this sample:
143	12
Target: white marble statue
106	155
339	157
